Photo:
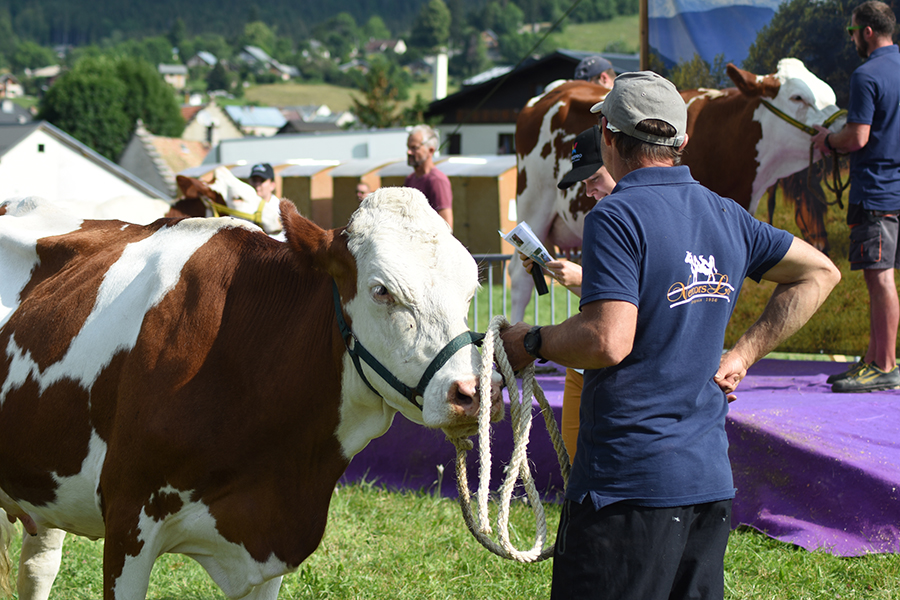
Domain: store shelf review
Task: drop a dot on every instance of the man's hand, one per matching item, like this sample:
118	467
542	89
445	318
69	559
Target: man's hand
732	369
818	140
513	342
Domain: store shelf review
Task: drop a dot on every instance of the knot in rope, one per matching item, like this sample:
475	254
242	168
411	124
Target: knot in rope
518	469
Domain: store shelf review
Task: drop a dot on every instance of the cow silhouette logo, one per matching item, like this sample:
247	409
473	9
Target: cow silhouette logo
706	283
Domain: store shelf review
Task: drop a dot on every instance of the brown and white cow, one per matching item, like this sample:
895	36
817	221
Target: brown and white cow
185	386
737	148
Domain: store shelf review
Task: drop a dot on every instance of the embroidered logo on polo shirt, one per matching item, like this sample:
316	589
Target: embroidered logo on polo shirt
705	283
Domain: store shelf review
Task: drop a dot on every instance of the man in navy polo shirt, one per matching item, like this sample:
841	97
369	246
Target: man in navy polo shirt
648	504
872	138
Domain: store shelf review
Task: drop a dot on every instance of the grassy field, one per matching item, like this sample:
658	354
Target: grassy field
410	546
595	37
336	98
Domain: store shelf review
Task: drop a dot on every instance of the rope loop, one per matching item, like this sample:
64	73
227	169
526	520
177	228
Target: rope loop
518	469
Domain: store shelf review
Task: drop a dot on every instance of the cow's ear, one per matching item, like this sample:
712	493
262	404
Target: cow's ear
326	249
752	85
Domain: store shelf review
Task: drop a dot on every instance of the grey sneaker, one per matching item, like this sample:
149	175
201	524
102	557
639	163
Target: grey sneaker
853	370
869	379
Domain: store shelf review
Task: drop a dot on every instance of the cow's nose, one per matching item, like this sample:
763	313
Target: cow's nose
463	397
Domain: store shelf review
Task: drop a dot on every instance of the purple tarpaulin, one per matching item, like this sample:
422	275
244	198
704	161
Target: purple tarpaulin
812	468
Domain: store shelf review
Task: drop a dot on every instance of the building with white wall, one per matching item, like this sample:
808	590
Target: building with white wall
38	159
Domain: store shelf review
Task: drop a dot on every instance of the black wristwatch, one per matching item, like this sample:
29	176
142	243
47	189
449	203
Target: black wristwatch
532	342
828	144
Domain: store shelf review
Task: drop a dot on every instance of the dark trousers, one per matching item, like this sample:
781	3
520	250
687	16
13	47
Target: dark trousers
628	552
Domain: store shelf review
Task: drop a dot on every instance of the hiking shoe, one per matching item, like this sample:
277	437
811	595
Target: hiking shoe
869	379
853	370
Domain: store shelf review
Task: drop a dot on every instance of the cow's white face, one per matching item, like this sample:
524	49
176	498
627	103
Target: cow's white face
783	148
414	285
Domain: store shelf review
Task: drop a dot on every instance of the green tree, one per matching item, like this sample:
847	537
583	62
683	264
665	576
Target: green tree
697	73
339	34
218	78
431	28
177	33
100	99
150	98
90	107
827	53
472	58
260	35
29	55
383	87
8	38
375	29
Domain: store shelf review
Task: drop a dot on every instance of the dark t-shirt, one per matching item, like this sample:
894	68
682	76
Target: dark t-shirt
436	187
875	101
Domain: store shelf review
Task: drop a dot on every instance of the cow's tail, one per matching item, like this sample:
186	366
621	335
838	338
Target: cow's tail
7	531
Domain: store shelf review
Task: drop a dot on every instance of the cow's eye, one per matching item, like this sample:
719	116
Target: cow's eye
797	98
381	294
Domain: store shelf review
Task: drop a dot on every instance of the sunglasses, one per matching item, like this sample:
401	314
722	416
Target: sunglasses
853	28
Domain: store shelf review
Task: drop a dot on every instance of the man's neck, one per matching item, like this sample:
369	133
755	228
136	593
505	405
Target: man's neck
424	169
880	42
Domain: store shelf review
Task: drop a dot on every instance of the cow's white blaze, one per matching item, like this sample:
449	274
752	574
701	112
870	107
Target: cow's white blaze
784	149
414	284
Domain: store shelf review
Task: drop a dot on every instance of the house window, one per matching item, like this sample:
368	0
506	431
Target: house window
40	148
454	144
506	143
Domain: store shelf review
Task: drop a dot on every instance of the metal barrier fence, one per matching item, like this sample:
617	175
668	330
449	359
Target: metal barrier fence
494	267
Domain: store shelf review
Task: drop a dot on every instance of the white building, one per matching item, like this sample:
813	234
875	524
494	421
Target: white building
38	159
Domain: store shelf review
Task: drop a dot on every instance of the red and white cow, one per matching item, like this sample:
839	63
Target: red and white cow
737	148
186	387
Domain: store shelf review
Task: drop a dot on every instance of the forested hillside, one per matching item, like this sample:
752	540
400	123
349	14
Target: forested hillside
81	22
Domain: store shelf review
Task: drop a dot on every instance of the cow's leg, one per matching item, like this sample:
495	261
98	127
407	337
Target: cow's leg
521	285
39	563
129	551
265	591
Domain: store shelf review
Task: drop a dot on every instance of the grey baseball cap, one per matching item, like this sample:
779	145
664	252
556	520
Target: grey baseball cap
642	95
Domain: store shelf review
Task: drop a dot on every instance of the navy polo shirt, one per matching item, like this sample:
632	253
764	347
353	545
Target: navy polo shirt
875	101
652	428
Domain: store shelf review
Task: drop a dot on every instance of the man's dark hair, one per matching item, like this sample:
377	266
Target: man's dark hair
634	151
878	16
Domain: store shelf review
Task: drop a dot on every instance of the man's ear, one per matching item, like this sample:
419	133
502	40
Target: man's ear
684	143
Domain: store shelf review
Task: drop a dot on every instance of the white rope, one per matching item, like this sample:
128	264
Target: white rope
518	469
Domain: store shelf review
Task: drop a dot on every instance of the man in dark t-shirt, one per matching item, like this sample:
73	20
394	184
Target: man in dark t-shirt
428	179
872	138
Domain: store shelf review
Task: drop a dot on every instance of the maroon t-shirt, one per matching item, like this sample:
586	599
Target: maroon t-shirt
436	187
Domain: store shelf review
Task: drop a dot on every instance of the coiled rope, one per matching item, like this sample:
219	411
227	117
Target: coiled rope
518	469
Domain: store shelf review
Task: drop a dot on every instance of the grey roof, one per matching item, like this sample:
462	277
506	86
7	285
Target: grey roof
10	112
258	54
12	134
256	116
173	69
208	57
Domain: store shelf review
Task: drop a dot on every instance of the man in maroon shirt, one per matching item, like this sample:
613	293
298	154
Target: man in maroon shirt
420	148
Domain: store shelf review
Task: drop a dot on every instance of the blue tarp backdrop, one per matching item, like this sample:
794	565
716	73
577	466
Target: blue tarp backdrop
679	29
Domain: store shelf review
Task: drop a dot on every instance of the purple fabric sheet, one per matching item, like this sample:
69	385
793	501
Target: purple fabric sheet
811	468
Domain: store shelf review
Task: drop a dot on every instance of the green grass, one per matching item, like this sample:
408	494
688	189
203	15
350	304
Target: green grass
595	37
409	546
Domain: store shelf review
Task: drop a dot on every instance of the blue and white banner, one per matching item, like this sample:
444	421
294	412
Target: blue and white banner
679	29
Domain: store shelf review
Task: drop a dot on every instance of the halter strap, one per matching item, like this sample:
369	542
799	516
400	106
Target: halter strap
357	351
